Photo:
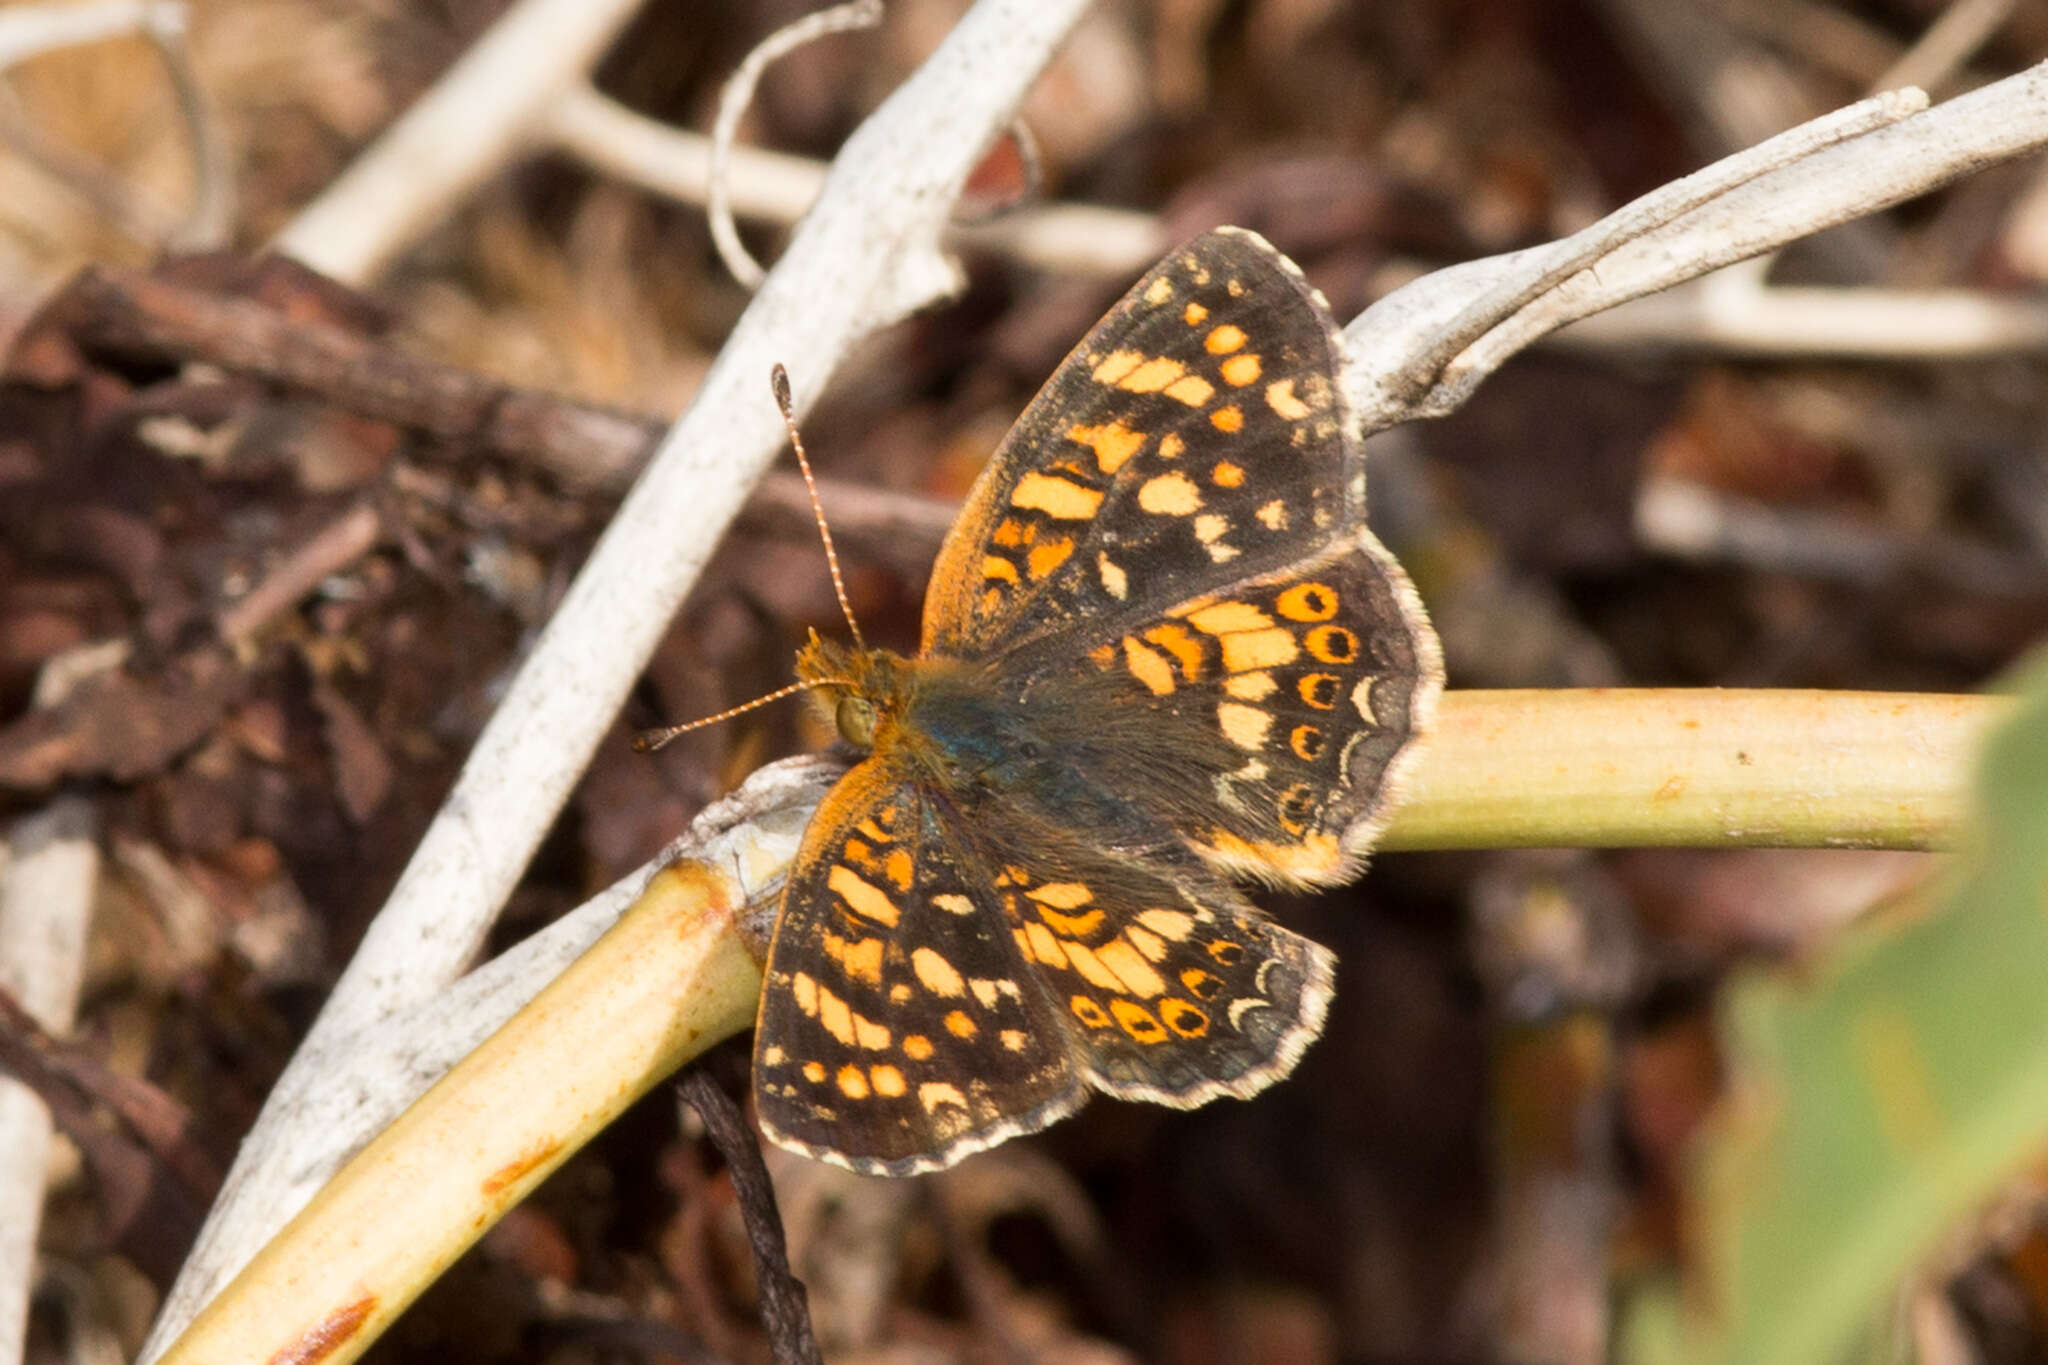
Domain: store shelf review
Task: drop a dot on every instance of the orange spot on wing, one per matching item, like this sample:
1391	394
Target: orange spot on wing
1308	602
861	961
899	868
1240	370
1245	726
1318	690
1073	926
1040	944
1183	1018
1152	375
1130	968
935	973
1332	644
1149	667
1307	742
1112	368
1062	895
1280	398
862	897
1185	649
1251	650
1137	1021
1172	494
1061	498
1225	339
1043	559
1113	443
1230	419
1311	859
1224	618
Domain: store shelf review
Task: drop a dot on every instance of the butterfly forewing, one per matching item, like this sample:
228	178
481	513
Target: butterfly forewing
1196	436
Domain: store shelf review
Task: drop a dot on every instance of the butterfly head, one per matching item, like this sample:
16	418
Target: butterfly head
866	688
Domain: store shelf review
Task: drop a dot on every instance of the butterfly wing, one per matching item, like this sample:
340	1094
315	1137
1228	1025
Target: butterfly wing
1173	988
899	1028
1194	438
1300	694
935	987
1184	504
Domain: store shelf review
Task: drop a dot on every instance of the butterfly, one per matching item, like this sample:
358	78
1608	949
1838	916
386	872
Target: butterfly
1161	652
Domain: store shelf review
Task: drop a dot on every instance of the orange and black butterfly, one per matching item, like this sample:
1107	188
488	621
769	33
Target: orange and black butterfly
1161	651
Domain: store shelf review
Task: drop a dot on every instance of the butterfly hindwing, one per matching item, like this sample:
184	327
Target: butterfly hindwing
1174	988
898	1027
1317	678
1194	437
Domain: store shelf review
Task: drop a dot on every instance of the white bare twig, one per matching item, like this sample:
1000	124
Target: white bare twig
774	187
458	135
30	30
47	882
1949	43
1735	313
1795	184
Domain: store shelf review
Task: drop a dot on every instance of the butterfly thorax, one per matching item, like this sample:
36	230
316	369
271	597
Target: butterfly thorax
942	720
970	731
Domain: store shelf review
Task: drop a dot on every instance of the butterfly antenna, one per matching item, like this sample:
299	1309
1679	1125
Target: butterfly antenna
647	741
778	379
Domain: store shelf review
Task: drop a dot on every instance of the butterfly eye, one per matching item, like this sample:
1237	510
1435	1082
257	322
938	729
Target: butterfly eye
856	720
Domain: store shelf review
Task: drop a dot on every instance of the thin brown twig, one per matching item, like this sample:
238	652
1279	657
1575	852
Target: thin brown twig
585	446
329	550
785	1311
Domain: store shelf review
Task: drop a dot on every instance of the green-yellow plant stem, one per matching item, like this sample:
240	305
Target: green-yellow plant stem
1602	768
1694	767
671	978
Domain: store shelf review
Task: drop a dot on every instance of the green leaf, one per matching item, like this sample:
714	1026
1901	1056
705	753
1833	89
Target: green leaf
1876	1099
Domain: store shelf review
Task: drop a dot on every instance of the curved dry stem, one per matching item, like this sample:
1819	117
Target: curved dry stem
850	17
